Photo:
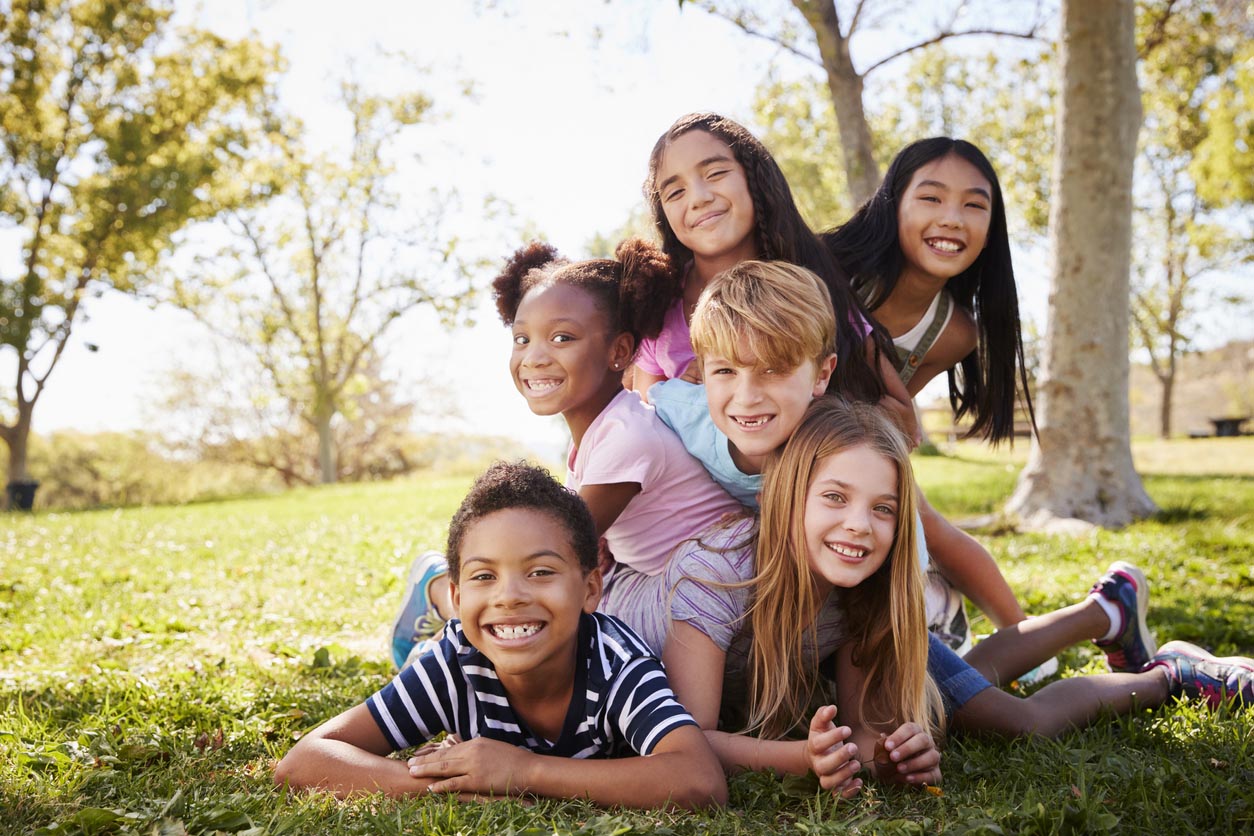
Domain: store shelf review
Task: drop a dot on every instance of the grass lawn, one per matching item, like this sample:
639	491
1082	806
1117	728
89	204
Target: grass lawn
154	662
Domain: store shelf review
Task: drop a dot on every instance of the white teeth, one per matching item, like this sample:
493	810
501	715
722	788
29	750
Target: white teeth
946	246
752	422
847	552
542	385
514	631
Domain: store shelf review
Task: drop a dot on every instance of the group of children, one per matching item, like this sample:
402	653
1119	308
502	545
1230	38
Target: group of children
737	561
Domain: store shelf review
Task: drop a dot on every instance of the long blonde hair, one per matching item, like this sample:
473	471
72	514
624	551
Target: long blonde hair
884	614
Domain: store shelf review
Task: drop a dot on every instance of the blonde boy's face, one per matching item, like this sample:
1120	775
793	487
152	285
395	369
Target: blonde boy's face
757	408
520	591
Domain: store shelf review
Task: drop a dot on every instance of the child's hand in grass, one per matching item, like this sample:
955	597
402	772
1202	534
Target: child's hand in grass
479	766
908	756
833	759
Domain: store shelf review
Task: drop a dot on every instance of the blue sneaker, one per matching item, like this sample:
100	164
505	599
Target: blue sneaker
1125	586
417	618
1192	672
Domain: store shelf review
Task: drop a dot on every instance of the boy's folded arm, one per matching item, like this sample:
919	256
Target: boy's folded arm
347	755
681	771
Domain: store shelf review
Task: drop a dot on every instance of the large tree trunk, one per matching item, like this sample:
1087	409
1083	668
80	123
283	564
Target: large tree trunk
845	85
1081	465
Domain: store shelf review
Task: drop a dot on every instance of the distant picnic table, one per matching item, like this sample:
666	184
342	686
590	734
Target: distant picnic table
1230	426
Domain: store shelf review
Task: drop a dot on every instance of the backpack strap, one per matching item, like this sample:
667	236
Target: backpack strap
909	360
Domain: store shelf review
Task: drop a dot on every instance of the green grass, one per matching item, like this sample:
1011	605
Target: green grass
154	662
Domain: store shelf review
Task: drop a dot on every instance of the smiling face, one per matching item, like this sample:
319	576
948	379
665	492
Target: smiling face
705	197
564	359
943	218
850	517
520	591
758	408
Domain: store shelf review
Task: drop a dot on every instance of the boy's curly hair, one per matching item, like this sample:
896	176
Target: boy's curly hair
507	485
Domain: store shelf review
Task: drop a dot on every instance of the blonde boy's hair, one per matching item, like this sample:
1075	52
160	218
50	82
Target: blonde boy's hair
782	310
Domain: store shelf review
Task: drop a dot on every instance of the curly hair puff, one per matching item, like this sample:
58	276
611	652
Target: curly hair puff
634	289
505	485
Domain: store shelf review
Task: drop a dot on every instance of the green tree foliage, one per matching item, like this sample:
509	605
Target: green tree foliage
309	281
1002	104
116	131
821	32
1195	68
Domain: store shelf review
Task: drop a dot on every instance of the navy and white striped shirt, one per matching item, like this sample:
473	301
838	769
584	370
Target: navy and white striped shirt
621	701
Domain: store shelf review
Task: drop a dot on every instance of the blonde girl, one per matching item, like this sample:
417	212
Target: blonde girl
831	572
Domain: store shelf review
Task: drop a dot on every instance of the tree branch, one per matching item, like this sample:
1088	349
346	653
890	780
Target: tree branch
754	32
1158	32
1029	35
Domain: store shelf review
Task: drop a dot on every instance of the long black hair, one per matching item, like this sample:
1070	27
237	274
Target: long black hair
780	234
869	254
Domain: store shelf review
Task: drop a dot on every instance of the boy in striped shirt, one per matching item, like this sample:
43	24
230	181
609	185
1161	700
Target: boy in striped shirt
538	693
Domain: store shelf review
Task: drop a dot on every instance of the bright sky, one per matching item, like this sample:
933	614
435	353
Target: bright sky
561	127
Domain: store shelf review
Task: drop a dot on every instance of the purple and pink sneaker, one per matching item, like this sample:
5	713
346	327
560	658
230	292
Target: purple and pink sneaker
1192	672
1125	586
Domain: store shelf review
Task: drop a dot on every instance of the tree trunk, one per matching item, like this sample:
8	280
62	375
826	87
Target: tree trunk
1164	410
326	447
845	86
1081	466
17	439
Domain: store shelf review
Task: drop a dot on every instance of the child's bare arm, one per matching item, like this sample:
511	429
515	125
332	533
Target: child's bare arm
896	399
346	756
681	772
606	502
969	567
694	665
642	380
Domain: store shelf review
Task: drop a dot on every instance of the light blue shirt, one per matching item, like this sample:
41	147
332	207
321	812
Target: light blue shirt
682	407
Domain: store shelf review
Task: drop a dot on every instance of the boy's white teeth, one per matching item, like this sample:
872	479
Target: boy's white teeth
514	631
756	421
942	244
847	552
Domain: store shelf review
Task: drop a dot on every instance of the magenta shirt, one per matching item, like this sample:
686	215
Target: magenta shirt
670	352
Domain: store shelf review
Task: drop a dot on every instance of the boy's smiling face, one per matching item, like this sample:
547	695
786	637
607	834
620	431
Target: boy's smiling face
758	408
520	592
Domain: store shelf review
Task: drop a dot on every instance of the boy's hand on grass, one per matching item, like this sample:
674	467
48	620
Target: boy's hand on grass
833	759
479	766
908	756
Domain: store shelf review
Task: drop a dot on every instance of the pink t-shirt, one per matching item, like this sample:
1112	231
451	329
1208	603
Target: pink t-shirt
670	352
628	443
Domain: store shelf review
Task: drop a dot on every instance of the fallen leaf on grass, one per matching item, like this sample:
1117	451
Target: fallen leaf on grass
1218	764
937	791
